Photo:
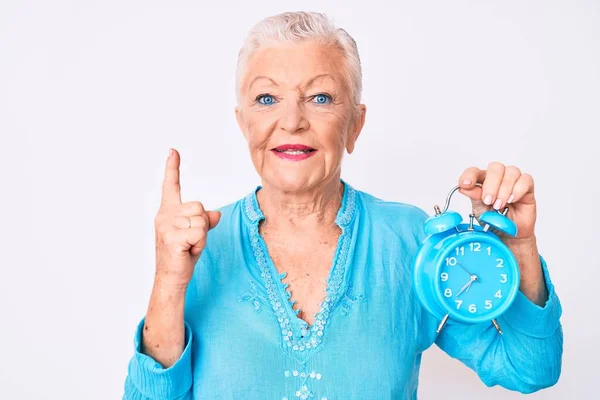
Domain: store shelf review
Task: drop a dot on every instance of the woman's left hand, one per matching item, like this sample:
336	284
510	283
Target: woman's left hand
501	186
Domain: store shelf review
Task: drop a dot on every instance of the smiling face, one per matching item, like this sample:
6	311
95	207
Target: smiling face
297	115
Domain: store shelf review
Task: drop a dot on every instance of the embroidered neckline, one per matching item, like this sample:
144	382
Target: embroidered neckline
343	218
297	336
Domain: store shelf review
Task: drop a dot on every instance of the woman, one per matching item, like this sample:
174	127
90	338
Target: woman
302	289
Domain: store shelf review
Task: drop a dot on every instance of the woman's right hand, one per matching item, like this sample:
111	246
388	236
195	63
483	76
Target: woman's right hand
181	230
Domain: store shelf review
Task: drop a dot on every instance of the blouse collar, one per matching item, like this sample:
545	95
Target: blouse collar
344	216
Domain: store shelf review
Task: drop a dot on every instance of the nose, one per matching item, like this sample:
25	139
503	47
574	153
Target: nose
294	119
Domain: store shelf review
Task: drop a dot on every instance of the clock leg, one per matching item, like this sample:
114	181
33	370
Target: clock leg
497	326
441	325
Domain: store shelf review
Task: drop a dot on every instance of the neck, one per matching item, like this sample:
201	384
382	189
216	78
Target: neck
312	208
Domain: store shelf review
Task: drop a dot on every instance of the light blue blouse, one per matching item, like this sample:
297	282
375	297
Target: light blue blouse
245	341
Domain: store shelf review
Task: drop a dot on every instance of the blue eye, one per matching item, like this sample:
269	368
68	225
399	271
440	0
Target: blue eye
265	99
322	98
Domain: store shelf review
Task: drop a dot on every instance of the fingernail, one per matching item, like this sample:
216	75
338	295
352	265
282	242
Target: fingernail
488	199
170	152
511	198
497	204
467	182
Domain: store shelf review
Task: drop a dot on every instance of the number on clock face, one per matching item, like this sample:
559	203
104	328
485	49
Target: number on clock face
473	278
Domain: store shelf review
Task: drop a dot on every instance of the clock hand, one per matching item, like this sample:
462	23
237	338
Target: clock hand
463	288
467	286
464	268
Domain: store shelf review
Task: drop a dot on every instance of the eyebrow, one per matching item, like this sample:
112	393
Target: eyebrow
261	77
308	83
313	79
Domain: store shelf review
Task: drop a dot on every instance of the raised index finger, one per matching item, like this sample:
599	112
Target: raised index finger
171	189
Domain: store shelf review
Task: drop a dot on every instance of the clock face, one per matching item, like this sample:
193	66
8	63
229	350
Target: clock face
476	279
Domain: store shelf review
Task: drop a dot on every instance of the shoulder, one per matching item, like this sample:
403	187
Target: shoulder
388	208
396	210
398	217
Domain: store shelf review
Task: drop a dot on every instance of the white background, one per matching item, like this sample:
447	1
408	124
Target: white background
93	93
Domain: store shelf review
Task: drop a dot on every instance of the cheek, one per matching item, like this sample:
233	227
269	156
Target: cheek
259	132
334	129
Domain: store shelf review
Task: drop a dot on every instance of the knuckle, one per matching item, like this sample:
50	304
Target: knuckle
496	166
202	223
527	178
196	207
513	170
470	171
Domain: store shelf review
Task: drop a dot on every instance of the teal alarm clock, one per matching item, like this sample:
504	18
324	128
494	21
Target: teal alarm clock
462	272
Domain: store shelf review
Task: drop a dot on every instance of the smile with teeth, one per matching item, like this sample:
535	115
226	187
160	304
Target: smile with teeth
294	152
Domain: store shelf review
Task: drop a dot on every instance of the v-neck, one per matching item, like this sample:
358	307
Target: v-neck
298	338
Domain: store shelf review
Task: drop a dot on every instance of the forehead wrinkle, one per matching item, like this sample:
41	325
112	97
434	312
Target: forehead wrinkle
300	86
314	79
326	60
259	78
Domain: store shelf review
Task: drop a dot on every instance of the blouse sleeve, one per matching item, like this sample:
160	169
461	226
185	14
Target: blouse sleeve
526	357
147	379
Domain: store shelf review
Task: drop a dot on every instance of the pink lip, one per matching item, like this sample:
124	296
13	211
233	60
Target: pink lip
279	152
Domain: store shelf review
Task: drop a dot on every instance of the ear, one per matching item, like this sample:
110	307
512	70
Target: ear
357	125
240	121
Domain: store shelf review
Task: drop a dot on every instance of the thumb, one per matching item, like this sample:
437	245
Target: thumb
474	193
477	204
213	218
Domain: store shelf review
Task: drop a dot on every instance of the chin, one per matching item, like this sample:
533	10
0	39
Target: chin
291	181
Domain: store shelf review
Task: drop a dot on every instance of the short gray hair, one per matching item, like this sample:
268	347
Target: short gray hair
300	26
